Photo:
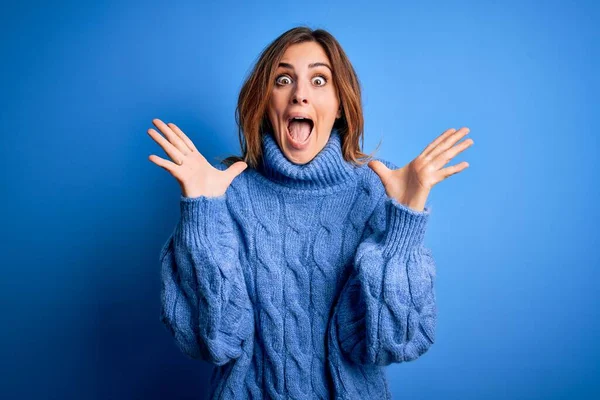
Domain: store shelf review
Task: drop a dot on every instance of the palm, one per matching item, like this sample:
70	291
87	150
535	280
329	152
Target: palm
404	180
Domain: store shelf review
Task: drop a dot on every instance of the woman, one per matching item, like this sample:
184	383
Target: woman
299	269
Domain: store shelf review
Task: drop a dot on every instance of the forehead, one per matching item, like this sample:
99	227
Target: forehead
302	54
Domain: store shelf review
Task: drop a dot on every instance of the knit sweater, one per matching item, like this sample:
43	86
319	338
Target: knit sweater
301	281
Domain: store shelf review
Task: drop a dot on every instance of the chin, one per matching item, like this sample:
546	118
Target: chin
299	159
298	156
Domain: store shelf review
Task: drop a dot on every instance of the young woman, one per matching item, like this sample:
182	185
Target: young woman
299	268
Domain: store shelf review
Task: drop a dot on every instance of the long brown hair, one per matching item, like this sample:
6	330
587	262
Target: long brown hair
251	111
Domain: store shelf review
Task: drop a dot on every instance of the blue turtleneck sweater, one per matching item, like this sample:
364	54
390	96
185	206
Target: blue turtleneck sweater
301	281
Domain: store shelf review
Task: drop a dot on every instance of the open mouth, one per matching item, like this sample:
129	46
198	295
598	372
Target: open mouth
299	129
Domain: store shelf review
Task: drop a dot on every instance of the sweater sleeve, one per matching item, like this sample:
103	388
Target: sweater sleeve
205	303
386	311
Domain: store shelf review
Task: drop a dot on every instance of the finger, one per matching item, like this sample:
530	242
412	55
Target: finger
171	150
445	157
454	169
234	170
183	136
161	162
379	168
437	141
171	136
448	142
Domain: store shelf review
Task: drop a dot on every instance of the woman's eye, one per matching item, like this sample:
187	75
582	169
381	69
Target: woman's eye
283	80
319	80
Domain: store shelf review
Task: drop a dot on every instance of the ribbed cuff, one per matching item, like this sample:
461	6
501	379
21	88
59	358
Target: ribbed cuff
405	227
202	216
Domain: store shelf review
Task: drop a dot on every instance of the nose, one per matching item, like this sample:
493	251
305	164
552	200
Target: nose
299	99
300	95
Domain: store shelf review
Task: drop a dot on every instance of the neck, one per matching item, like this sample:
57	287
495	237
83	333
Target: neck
327	169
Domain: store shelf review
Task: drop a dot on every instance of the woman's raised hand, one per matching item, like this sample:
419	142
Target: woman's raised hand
411	184
196	176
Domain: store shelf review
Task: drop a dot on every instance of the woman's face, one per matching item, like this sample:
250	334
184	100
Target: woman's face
303	88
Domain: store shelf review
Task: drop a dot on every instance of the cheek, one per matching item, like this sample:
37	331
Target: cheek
277	105
327	106
326	111
278	98
274	105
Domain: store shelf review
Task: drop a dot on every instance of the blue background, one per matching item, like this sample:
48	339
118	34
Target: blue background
85	213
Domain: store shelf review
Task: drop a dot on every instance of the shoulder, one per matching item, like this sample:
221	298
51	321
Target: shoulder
372	193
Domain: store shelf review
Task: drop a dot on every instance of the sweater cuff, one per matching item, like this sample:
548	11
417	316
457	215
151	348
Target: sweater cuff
203	216
405	227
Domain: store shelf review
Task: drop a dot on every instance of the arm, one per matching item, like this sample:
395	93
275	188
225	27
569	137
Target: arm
205	303
386	312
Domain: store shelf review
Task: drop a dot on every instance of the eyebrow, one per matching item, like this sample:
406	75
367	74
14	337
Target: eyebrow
313	65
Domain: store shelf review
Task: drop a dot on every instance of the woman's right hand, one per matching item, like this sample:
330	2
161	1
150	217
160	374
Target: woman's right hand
196	176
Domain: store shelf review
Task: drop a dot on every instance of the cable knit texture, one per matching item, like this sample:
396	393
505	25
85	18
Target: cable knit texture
301	281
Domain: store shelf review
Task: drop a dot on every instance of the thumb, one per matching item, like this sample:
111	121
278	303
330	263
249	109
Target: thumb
379	168
235	169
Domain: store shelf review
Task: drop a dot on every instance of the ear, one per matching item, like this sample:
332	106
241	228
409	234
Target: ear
339	113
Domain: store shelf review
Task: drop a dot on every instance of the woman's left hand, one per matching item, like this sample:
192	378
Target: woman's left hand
411	184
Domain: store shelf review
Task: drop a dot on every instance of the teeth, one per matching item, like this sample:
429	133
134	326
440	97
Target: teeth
310	121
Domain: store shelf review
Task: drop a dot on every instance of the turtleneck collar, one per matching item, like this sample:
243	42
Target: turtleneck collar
327	169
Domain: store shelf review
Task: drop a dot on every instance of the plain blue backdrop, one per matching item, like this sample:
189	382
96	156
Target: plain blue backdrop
85	213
